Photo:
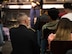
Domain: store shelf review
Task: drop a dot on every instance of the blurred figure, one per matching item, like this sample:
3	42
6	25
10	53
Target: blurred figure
23	39
6	33
49	27
68	10
64	31
69	51
53	19
41	20
34	11
1	37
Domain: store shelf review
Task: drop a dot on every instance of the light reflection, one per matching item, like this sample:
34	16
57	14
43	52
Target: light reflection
45	6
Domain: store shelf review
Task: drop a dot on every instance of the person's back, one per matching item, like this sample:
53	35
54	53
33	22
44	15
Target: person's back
23	40
50	26
68	10
41	20
6	33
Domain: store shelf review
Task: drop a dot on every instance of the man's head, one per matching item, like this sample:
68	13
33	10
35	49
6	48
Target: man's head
53	13
67	6
23	19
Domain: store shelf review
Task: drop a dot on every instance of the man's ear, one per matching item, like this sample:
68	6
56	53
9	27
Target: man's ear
25	21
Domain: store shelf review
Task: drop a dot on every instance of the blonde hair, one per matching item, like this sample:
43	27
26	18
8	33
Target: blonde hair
63	30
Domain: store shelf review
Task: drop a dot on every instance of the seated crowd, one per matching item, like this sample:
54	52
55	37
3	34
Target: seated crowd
48	28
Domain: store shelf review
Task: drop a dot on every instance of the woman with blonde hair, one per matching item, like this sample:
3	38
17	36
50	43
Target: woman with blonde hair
63	32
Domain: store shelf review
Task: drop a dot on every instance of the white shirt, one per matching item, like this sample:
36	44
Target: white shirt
68	15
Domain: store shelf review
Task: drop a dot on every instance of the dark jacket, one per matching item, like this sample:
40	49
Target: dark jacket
23	41
41	20
49	28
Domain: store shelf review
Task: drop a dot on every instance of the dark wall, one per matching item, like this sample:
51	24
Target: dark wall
12	13
1	1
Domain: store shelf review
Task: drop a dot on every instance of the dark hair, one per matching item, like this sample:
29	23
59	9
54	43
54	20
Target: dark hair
67	5
53	13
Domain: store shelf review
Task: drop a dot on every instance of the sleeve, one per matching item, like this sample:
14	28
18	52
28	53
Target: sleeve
37	24
36	48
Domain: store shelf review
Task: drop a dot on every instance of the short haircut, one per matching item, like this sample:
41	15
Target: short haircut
53	13
67	5
20	18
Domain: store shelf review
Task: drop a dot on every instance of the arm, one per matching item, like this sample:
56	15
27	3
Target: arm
38	3
35	46
34	3
51	37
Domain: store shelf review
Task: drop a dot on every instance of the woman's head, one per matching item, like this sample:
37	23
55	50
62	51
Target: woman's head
64	29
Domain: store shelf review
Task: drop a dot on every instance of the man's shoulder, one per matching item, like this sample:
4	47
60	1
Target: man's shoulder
44	26
31	29
12	29
66	15
69	16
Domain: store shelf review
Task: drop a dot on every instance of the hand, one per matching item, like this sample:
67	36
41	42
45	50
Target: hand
33	4
51	37
38	3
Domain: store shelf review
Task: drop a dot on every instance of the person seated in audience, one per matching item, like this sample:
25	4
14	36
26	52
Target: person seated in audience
50	26
63	32
53	19
68	10
41	20
23	39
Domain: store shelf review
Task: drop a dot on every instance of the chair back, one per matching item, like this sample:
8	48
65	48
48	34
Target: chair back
47	31
60	47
